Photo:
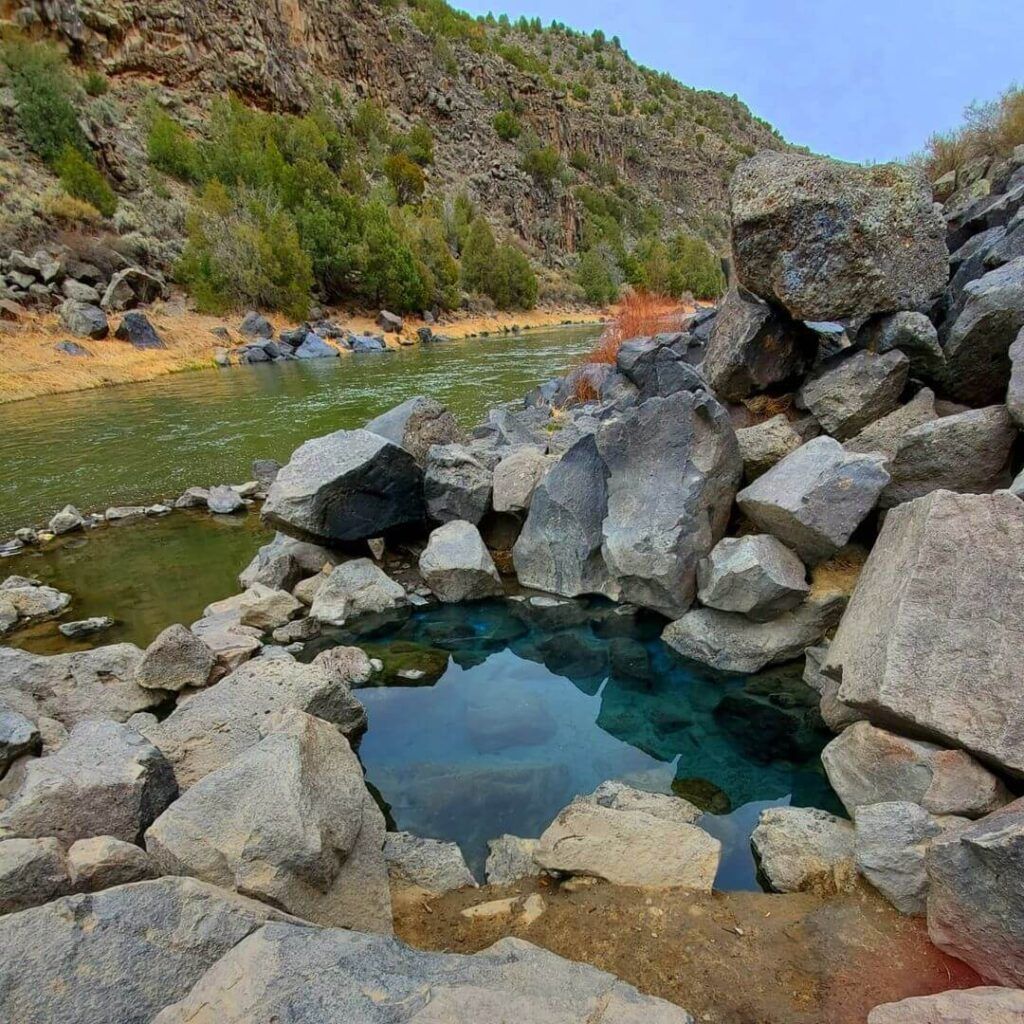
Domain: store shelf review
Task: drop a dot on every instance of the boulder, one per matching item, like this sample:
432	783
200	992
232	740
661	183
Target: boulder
509	859
284	562
416	425
918	653
621	797
194	497
345	486
72	688
106	780
830	241
753	347
764	444
254	325
81	628
390	323
849	393
224	500
80	291
328	976
358	587
457	566
266	608
516	477
103	862
733	643
673	468
967	452
660	366
975	899
18	736
755	575
1015	388
977	350
908	332
319	849
217	724
348	665
628	847
366	343
176	660
314	347
802	849
985	1005
32	871
67	520
456	485
884	436
130	287
867	765
136	329
31	601
264	471
84	320
121	955
430	864
891	841
816	497
834	713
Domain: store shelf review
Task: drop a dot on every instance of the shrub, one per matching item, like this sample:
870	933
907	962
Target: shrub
478	256
370	121
542	163
579	160
95	83
171	150
695	268
436	257
60	206
390	275
406	177
507	126
417	144
512	284
580	92
331	233
82	180
596	277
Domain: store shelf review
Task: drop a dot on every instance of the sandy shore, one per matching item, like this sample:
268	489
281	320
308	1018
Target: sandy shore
30	365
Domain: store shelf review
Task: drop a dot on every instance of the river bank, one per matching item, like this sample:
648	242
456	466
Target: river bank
32	367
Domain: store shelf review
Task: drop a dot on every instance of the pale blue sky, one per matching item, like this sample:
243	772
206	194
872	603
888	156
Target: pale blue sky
858	79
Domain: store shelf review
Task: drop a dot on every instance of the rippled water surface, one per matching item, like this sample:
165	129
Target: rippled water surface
140	442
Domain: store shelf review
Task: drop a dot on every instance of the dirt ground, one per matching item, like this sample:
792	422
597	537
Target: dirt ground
30	366
727	958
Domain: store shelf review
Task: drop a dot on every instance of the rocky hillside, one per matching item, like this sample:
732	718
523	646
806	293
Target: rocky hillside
559	137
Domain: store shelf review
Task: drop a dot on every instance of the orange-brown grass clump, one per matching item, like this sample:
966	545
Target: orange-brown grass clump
639	315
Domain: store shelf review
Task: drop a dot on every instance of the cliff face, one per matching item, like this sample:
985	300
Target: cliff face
669	148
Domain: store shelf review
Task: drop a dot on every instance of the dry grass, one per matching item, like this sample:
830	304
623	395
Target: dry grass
765	407
639	315
840	573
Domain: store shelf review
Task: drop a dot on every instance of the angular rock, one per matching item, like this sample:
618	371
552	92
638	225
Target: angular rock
891	841
17	736
816	497
456	485
431	864
129	287
176	660
516	477
194	497
84	320
867	765
103	862
985	1005
911	333
348	665
621	797
224	500
69	960
33	601
834	713
314	347
416	425
509	859
967	452
457	566
764	444
67	520
318	852
849	393
931	640
755	575
829	240
358	587
266	608
975	901
802	849
329	976
345	486
32	871
884	436
390	322
754	347
106	780
628	847
255	326
659	366
1015	388
85	627
136	329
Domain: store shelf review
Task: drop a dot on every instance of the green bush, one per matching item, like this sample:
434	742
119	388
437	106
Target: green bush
95	83
331	233
478	256
696	269
596	278
171	150
542	163
406	177
507	126
390	275
417	144
436	258
512	284
370	121
83	180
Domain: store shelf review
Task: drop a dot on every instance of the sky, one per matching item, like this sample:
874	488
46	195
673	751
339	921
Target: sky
863	80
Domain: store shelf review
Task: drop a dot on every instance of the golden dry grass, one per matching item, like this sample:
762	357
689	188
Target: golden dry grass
840	573
638	315
765	407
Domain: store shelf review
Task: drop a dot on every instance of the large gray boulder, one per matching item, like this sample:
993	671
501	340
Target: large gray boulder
622	797
867	765
516	477
329	976
176	660
559	549
849	393
919	654
764	444
317	849
975	899
121	955
829	240
457	566
355	588
283	562
977	350
32	871
429	864
816	497
908	332
456	484
106	780
416	425
891	843
673	468
885	436
733	643
753	347
217	724
967	452
755	575
628	847
84	320
349	485
803	849
1015	388
659	366
984	1005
